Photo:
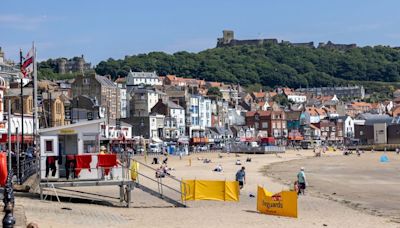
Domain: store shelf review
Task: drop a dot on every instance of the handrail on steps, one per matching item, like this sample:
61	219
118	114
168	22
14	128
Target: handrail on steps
160	184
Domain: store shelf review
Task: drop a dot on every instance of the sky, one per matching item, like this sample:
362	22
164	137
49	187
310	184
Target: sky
101	29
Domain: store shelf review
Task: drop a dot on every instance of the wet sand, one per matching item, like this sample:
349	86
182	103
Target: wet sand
363	183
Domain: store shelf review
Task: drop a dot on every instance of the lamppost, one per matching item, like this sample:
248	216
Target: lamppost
9	135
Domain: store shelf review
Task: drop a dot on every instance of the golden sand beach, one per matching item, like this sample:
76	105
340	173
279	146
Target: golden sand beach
149	211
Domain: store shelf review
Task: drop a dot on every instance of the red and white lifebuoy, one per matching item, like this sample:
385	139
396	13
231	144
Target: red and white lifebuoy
3	169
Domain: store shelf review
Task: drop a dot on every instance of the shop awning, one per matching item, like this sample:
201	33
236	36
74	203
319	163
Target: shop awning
183	140
199	140
156	140
295	138
27	138
250	139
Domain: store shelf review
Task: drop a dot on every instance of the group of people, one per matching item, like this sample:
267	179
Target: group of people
162	171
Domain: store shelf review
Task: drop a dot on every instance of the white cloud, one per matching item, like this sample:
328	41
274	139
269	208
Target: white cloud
21	22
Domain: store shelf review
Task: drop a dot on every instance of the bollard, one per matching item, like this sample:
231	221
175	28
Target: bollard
8	220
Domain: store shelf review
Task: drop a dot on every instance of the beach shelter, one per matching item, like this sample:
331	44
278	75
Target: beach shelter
384	158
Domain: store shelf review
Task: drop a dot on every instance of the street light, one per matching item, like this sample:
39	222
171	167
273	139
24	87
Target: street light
9	135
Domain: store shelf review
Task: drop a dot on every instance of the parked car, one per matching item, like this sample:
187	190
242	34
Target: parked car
154	148
203	148
139	150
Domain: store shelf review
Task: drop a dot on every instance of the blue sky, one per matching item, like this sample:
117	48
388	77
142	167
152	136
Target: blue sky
102	29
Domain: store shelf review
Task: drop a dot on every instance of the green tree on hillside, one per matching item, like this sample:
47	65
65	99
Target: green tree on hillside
214	91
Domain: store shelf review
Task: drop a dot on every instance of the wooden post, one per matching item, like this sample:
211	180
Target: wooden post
121	193
128	195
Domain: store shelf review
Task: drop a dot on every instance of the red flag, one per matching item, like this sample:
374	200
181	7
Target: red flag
27	65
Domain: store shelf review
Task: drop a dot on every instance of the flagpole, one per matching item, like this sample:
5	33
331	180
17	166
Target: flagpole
22	104
35	115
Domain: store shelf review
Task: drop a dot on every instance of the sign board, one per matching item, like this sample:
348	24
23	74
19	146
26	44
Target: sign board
68	114
282	204
67	131
90	115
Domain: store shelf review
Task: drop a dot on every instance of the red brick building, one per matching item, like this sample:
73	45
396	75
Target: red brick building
273	122
331	130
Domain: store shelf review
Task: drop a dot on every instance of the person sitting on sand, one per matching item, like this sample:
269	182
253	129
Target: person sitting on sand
238	162
165	170
301	180
160	172
218	168
155	161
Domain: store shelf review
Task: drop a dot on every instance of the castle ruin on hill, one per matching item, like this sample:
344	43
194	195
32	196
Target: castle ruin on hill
228	40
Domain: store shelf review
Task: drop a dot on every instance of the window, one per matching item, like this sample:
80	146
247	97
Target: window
58	108
49	146
90	143
17	104
86	81
264	125
30	103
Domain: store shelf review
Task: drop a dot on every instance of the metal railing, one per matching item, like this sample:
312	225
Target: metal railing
28	167
161	185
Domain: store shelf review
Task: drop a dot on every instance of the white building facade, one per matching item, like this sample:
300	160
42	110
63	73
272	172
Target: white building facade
179	115
348	123
123	98
297	98
198	114
142	78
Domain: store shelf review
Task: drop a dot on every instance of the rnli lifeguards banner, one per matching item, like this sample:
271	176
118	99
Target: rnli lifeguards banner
283	203
210	190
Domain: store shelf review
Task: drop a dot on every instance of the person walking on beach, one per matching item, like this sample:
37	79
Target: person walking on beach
241	177
301	181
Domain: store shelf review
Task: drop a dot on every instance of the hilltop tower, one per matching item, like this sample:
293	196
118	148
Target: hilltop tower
61	64
80	64
228	36
1	56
